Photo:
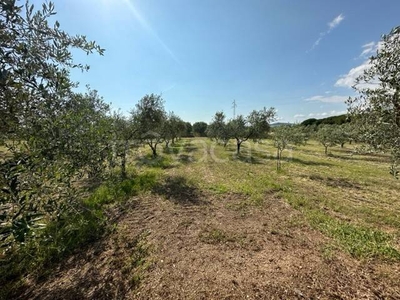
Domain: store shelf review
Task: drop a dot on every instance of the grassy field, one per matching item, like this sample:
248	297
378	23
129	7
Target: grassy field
209	224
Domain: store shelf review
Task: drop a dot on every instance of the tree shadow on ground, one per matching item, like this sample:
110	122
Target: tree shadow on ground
81	284
189	148
250	159
344	150
253	156
154	162
171	150
185	159
309	162
177	190
181	153
364	157
334	182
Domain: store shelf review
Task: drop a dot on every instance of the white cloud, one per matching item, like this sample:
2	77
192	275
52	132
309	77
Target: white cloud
299	116
332	24
328	99
327	114
349	79
340	112
336	21
313	115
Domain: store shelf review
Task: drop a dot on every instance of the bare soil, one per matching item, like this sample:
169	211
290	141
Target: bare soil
181	243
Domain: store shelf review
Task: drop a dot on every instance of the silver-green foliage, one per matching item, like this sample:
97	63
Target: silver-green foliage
150	117
377	106
283	136
52	132
328	136
174	127
255	126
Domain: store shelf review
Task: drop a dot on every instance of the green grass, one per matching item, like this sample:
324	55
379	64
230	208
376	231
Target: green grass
117	191
349	197
72	232
360	242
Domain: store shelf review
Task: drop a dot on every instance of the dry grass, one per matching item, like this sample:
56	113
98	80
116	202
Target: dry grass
217	226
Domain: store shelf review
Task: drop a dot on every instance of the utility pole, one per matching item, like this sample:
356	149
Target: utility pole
234	105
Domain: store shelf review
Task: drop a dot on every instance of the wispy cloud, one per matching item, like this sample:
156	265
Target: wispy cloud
335	22
349	80
370	49
331	25
146	26
328	99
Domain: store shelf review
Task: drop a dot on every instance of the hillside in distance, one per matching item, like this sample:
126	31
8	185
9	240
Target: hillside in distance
338	120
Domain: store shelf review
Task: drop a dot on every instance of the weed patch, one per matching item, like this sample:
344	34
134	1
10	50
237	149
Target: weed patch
116	191
360	242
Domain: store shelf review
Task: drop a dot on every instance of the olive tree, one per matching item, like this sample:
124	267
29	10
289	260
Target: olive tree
283	136
218	129
125	131
376	108
150	117
79	135
188	132
327	135
35	61
200	129
38	108
255	126
173	129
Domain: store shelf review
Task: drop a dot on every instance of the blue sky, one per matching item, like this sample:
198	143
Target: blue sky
300	57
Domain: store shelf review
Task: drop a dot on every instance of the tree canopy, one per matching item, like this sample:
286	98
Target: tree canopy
52	133
377	106
255	126
200	129
283	136
150	117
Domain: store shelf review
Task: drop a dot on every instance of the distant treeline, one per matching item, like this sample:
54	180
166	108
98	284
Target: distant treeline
338	120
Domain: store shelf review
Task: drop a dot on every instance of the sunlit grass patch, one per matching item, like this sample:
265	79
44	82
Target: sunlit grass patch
115	191
348	197
360	242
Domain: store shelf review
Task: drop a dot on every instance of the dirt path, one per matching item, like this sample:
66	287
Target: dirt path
179	243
